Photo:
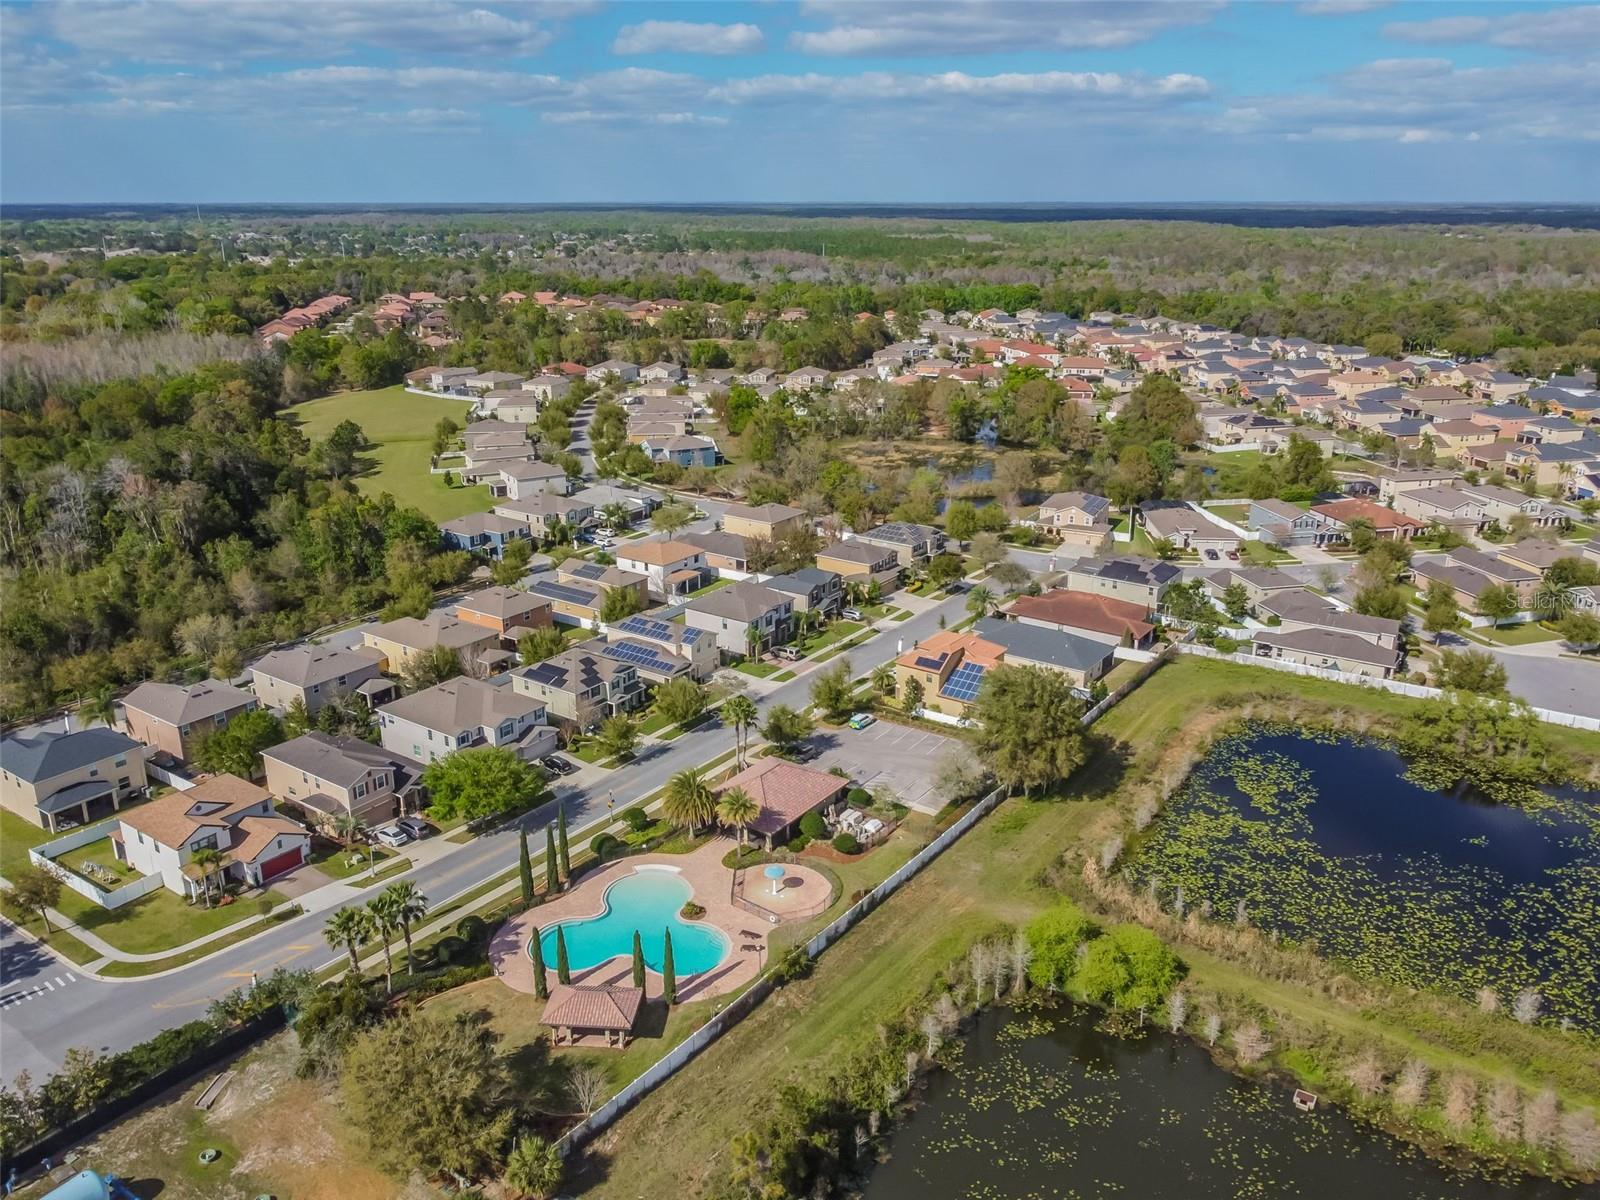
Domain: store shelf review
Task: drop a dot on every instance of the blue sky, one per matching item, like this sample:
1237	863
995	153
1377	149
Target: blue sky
824	100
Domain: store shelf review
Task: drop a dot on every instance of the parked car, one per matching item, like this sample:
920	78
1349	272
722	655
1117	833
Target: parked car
391	835
1213	556
557	765
415	826
1233	556
789	653
862	720
852	614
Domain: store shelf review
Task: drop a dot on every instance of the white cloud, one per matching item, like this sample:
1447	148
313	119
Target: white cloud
687	37
1340	8
883	85
986	26
1570	30
590	117
207	31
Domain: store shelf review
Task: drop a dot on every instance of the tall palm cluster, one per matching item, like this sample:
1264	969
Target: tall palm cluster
394	910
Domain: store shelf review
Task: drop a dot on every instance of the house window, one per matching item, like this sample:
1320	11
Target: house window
380	781
361	790
94	772
206	843
121	762
122	782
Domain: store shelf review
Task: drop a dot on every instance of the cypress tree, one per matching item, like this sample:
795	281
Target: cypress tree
561	843
562	972
552	877
669	975
638	960
525	868
541	986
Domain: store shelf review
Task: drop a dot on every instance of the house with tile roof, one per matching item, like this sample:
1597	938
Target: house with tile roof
949	667
784	792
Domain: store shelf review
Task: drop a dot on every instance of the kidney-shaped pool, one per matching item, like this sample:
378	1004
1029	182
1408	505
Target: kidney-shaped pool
647	901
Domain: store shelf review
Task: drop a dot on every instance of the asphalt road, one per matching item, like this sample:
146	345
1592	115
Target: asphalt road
36	1031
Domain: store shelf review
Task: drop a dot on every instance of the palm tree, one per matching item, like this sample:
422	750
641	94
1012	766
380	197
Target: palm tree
737	809
410	906
206	862
740	712
689	801
534	1168
99	706
346	828
980	601
1553	597
348	927
752	640
384	908
882	679
616	515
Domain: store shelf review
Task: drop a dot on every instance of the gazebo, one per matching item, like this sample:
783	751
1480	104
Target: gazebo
577	1010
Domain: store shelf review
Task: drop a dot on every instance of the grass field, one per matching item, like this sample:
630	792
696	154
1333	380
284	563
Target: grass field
676	1139
399	425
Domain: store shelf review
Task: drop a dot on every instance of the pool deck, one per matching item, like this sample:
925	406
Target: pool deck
702	870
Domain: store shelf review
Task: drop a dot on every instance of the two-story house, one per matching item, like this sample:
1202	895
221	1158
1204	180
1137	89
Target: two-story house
484	533
767	521
509	612
745	618
462	713
857	561
581	686
56	778
223	813
1141	581
1285	524
912	543
682	449
314	675
672	568
333	777
544	512
1077	518
172	718
671	642
401	640
812	589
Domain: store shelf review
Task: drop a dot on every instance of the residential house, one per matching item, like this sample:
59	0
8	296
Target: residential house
601	496
314	676
484	533
684	449
766	521
1086	614
223	813
1393	481
612	368
728	554
673	642
1447	506
333	777
863	562
1141	581
805	379
1455	436
546	513
1077	519
913	544
1300	608
515	405
488	381
745	618
508	612
1502	505
578	594
548	387
1187	528
1385	522
813	590
1535	555
672	568
172	718
58	778
1081	659
524	478
784	792
1258	583
462	713
949	667
661	372
1470	572
400	641
581	686
1326	649
1285	524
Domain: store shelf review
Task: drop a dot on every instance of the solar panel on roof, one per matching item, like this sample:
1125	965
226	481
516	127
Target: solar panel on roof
639	656
930	664
963	683
647	627
562	591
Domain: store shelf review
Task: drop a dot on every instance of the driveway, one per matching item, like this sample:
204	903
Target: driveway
899	756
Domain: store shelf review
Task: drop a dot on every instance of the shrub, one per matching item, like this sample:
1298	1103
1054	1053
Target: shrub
859	798
1224	645
450	949
635	818
795	964
691	911
602	845
472	929
798	844
846	843
263	906
813	826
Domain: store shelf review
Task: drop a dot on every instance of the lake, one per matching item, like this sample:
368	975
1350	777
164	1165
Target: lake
1326	840
1042	1105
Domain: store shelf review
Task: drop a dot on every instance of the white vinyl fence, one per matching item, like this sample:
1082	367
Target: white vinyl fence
1397	686
45	854
182	782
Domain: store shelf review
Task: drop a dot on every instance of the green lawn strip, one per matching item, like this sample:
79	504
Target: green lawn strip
18	835
133	970
833	634
844	647
990	880
332	859
398	866
63	943
654	723
159	921
1518	635
783	677
589	752
759	669
399	427
710	587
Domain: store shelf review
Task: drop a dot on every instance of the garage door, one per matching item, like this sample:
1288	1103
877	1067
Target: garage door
280	863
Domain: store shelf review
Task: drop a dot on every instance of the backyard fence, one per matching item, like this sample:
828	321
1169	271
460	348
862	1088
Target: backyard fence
682	1054
44	855
1112	698
1398	687
182	782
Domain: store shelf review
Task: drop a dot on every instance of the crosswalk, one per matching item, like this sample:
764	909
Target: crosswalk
23	994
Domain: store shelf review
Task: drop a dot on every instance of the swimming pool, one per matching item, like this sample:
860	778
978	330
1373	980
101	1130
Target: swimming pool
647	901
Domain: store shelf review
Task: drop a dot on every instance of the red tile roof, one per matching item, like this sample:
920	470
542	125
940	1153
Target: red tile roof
1083	610
785	791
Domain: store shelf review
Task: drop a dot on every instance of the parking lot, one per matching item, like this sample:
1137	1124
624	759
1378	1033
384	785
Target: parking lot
897	756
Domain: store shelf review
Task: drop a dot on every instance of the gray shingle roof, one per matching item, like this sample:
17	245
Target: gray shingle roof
46	755
178	705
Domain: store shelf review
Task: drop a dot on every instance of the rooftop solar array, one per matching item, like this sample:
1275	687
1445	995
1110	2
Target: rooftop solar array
647	627
641	656
963	683
930	664
562	591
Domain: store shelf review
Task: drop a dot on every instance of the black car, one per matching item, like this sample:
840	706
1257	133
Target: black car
557	765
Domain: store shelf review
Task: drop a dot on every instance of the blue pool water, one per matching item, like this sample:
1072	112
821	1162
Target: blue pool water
649	902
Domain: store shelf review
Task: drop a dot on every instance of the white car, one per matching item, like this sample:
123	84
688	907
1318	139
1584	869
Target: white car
391	836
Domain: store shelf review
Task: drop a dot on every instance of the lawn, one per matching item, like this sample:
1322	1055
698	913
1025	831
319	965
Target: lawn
833	634
757	668
1517	635
159	921
331	858
991	880
711	587
399	427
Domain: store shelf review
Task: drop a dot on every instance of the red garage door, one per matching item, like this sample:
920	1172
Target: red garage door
280	863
